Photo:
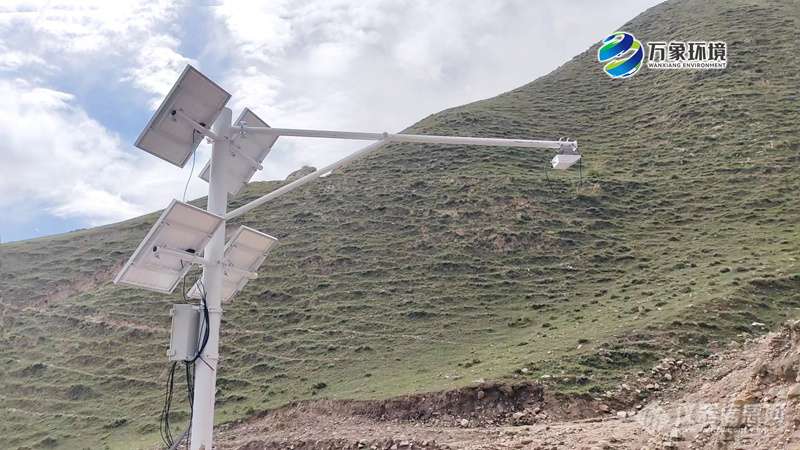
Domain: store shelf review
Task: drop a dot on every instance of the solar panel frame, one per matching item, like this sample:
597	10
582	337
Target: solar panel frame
175	140
246	250
238	171
182	227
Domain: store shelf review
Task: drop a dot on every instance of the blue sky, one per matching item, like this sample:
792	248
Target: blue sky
81	78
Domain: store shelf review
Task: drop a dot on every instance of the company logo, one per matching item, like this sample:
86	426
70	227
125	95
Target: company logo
624	53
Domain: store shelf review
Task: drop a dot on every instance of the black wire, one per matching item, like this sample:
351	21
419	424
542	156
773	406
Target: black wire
548	180
190	367
164	427
205	325
190	383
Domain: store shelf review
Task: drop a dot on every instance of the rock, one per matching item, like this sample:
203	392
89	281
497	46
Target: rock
668	377
733	419
650	387
756	324
622	415
794	391
305	170
546	377
464	422
603	407
745	399
669	445
518	415
481	395
524	370
675	434
724	269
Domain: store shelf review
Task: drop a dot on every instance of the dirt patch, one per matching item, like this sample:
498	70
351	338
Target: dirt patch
481	404
748	398
59	291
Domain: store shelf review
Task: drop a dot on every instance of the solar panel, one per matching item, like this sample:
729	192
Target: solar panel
238	170
181	227
172	139
245	252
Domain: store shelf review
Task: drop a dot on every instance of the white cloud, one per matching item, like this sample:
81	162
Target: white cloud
57	158
378	65
158	65
136	36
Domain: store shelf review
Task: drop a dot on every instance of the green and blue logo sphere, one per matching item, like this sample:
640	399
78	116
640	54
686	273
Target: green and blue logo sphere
624	54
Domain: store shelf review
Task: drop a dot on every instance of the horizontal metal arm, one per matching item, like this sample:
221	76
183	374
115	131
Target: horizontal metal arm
297	183
178	114
412	138
190	258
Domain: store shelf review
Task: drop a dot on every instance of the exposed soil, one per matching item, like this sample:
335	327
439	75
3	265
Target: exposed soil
747	398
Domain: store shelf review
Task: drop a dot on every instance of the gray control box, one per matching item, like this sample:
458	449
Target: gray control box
185	334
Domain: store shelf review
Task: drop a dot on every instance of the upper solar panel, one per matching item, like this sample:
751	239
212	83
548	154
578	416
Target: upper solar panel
200	99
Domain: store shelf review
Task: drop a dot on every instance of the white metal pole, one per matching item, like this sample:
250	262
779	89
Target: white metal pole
411	138
206	370
299	182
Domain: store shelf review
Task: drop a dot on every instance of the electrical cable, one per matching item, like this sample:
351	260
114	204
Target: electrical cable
164	427
190	367
191	172
548	180
580	183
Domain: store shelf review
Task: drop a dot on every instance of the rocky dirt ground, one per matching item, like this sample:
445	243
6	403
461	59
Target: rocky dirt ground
746	397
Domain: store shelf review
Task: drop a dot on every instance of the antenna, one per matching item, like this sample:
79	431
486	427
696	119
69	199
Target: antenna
184	231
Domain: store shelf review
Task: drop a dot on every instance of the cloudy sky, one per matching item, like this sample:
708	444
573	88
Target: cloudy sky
79	79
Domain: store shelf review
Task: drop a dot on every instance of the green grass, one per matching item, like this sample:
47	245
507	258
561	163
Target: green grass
424	267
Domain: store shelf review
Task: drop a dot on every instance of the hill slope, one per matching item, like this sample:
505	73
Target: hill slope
425	267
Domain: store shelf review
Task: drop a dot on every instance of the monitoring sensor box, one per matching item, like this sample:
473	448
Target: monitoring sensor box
564	162
185	334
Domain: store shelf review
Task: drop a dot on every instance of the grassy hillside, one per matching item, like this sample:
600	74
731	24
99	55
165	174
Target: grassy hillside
426	267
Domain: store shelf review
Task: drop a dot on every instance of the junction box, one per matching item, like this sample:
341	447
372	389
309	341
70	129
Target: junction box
185	333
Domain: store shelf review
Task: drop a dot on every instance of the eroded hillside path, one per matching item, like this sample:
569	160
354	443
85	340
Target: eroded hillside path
308	430
746	397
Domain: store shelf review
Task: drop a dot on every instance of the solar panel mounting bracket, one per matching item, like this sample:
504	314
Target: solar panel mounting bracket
238	153
205	131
